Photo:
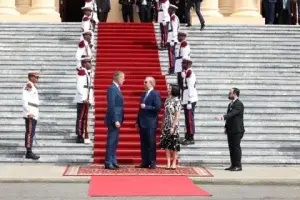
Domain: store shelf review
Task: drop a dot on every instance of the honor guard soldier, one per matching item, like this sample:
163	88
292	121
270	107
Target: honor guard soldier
172	37
93	5
84	47
189	100
127	9
163	20
30	101
182	51
83	98
88	24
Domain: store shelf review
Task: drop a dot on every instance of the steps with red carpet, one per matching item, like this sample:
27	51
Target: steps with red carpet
130	48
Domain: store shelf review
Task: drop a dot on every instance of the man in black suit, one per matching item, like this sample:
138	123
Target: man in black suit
145	7
103	9
284	11
234	128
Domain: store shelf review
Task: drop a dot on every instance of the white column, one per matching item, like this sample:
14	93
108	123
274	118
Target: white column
210	8
8	7
246	8
23	5
43	7
44	10
226	7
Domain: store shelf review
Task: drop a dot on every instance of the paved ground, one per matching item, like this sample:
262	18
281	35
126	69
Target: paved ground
73	191
254	175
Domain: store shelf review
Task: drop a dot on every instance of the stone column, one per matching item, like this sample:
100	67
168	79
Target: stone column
23	5
210	8
246	8
45	9
7	7
226	7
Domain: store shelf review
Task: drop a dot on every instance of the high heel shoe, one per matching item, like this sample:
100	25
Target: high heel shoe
173	168
168	167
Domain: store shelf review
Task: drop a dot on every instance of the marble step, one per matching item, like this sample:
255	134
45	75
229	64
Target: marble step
246	152
274	160
48	159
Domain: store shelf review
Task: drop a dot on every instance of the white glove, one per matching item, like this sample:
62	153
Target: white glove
189	106
183	74
164	23
172	43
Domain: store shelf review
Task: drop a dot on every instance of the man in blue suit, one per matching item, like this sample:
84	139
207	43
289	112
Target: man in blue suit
147	122
114	119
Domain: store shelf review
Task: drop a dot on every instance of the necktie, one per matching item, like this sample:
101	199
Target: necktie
146	97
284	4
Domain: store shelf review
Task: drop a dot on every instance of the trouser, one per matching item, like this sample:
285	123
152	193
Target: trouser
164	34
234	144
103	16
271	12
127	12
81	121
145	13
285	17
30	125
148	146
180	83
111	145
189	121
171	54
196	5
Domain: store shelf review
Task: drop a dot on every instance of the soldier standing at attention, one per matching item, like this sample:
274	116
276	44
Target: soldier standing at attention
84	47
189	100
163	20
88	24
93	5
172	37
83	98
127	9
30	101
183	51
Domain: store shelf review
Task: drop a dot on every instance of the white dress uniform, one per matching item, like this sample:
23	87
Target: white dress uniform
30	101
173	29
84	88
163	19
189	101
87	26
190	94
82	50
183	51
163	13
92	4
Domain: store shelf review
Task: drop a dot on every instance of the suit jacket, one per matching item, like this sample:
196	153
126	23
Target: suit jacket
235	118
115	106
149	2
279	6
103	5
148	117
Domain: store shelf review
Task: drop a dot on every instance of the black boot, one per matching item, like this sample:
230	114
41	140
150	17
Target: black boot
79	139
202	27
30	155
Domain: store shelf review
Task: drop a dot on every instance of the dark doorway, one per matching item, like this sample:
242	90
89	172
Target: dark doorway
70	10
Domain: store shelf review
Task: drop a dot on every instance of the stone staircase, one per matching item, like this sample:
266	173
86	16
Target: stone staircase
262	61
50	49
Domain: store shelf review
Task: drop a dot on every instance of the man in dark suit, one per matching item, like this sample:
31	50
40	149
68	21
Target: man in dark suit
284	11
234	128
127	9
103	9
145	7
271	11
114	119
147	122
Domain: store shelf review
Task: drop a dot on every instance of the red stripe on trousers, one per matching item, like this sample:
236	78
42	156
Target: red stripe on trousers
29	133
80	121
190	122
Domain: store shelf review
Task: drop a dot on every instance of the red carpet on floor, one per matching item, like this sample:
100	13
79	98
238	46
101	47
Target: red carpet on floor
143	186
131	48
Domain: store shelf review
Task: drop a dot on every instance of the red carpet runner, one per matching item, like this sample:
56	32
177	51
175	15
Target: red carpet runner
130	48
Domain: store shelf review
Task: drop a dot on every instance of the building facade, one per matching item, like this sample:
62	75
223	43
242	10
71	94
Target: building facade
215	11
